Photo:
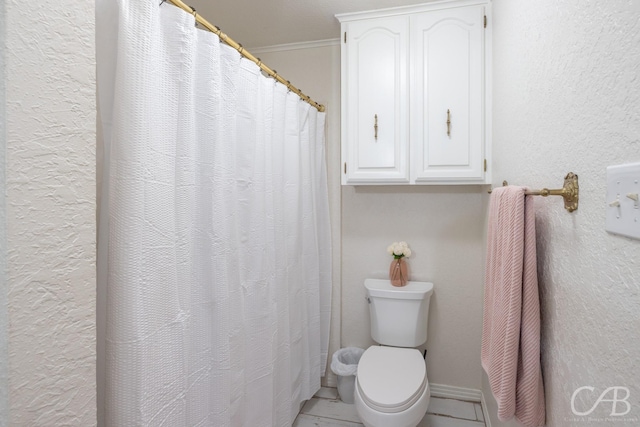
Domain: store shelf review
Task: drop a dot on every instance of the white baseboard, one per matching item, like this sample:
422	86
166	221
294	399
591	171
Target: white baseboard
329	380
451	392
485	411
460	393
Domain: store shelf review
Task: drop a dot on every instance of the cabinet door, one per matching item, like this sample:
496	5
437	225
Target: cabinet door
447	102
375	117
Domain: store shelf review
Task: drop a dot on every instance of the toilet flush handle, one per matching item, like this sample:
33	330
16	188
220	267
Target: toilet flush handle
368	300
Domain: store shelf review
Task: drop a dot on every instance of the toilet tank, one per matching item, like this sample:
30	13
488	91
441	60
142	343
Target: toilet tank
399	315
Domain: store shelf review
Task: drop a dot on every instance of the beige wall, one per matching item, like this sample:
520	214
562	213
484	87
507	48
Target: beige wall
567	98
442	224
50	211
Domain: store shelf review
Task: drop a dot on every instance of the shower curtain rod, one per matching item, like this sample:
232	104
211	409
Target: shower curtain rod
237	46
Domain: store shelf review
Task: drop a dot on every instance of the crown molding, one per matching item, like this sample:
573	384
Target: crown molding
295	46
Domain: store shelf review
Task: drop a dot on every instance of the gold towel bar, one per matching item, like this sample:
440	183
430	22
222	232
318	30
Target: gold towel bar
569	192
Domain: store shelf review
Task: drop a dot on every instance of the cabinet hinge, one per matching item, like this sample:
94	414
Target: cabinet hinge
345	167
485	165
345	36
485	21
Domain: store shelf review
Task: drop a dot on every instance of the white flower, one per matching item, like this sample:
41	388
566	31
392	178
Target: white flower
399	250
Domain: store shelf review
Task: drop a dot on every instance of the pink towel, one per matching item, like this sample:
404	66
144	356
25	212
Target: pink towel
511	323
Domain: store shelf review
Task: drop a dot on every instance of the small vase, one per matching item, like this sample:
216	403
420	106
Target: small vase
398	272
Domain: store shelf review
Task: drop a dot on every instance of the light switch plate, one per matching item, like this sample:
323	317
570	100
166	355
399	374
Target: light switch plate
623	206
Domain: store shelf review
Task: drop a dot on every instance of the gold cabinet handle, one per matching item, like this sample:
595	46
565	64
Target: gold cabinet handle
448	122
375	126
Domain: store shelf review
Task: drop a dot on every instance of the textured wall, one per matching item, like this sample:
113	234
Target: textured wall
567	98
4	367
50	196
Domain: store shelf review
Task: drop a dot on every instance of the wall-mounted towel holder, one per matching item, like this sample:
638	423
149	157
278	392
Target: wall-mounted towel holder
569	192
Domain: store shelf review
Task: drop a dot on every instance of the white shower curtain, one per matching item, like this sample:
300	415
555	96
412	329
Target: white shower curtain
214	251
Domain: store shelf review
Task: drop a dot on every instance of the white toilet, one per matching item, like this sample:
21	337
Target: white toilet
392	389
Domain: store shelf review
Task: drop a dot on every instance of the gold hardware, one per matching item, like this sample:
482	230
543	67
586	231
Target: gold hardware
569	192
345	167
485	21
229	41
448	123
375	126
485	165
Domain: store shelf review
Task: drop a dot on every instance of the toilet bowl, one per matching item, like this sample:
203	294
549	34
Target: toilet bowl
392	389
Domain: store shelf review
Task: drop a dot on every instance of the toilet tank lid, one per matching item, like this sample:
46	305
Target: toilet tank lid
383	288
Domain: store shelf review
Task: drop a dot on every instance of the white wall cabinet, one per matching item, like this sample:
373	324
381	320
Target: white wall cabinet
377	126
415	95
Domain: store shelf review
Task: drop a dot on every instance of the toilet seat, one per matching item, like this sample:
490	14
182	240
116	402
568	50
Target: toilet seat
391	379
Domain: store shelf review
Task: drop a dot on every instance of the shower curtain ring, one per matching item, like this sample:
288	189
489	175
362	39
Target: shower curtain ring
259	62
240	48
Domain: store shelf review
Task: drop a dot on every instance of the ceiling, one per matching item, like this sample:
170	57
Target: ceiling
260	23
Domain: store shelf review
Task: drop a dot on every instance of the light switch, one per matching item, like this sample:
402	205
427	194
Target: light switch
623	208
